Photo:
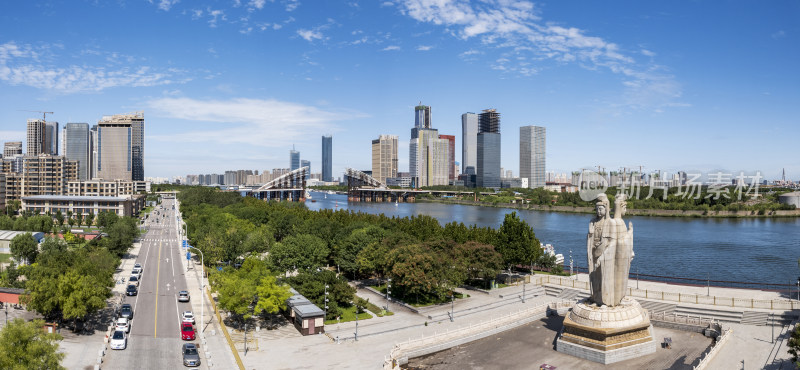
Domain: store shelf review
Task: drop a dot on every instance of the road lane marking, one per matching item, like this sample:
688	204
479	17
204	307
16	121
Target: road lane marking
158	274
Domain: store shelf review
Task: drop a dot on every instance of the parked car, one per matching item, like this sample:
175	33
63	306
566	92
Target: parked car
126	311
138	266
183	296
187	316
137	272
119	340
123	324
190	355
187	331
131	290
134	279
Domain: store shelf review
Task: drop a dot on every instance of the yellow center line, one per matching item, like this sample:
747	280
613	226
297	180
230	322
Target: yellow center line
158	274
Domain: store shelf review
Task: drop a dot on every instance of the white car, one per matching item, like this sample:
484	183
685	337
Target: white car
137	272
134	279
138	266
123	325
187	316
119	340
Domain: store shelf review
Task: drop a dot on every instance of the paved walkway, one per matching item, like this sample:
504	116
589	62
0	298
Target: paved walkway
376	336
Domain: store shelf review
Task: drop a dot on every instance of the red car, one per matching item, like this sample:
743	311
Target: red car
187	331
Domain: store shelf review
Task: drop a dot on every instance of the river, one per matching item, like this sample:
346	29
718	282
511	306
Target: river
763	250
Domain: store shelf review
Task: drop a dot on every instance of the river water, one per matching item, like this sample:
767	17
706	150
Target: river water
743	250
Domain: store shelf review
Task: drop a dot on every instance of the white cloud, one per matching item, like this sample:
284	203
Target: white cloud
165	5
517	26
291	5
22	65
391	48
387	3
214	16
779	34
259	122
258	4
309	35
424	47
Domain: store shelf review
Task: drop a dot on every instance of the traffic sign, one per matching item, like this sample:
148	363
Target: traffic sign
188	256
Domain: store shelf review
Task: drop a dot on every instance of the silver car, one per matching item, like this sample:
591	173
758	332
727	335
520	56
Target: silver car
183	296
191	357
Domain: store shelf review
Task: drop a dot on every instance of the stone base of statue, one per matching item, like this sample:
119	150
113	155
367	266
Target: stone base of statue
607	334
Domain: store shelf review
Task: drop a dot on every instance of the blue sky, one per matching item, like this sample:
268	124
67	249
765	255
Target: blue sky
668	85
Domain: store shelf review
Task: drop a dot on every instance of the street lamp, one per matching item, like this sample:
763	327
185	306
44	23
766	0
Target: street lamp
326	301
388	291
570	263
452	305
202	290
356	333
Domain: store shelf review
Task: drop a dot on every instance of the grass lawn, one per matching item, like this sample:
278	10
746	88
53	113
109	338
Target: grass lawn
5	258
382	289
378	310
349	314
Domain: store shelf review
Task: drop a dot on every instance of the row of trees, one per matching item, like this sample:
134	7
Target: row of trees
702	198
69	279
424	259
27	221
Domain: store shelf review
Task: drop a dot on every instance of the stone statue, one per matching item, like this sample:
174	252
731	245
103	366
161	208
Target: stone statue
601	252
610	251
624	249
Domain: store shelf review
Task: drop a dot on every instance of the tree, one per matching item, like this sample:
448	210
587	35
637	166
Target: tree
312	286
59	218
481	260
250	289
516	242
25	345
24	248
794	345
345	254
304	252
417	271
89	218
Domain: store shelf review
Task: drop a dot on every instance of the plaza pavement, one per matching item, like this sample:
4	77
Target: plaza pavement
376	336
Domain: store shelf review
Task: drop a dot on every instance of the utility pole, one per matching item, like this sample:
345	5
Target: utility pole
388	291
326	303
356	333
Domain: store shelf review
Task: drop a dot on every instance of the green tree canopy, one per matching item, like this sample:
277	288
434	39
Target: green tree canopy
25	345
516	241
302	252
24	248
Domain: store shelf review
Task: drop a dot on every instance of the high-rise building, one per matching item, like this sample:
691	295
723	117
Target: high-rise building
327	158
488	153
306	163
47	175
422	116
451	156
93	147
12	148
50	138
75	138
35	137
469	142
294	159
384	157
120	147
532	141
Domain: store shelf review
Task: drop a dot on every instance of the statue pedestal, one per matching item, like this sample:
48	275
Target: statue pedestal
607	334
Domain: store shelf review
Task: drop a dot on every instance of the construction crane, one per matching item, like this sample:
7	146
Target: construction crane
44	114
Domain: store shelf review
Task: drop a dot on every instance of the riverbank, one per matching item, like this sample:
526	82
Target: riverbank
630	212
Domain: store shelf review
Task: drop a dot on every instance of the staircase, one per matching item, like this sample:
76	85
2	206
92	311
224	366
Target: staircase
755	318
658	306
570	294
536	290
553	291
710	313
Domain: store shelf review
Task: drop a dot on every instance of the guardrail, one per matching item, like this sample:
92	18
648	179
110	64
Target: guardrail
400	351
713	352
781	305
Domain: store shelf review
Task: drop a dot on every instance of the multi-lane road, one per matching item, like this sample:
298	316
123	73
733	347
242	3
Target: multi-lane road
155	341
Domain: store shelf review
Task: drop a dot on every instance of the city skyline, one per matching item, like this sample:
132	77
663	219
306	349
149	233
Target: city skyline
607	74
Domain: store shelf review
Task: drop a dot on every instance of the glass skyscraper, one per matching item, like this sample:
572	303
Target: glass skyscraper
488	153
76	146
532	141
294	160
327	158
